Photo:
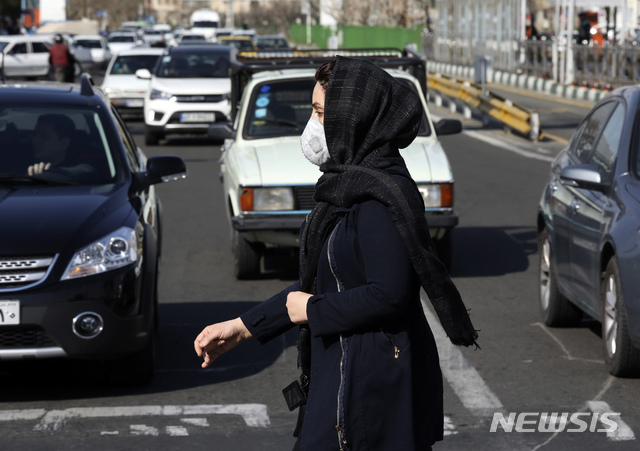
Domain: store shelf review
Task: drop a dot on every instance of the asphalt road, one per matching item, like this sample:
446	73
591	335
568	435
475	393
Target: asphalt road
523	366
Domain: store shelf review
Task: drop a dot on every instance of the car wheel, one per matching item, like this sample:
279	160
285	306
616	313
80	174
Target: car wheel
444	249
620	356
555	308
247	257
151	138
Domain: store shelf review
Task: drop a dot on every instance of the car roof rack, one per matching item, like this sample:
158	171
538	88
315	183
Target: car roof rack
250	62
86	85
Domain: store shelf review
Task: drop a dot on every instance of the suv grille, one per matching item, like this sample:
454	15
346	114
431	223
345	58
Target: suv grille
17	337
19	272
304	197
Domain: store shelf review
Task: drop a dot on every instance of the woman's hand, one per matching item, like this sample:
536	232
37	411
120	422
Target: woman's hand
297	306
219	338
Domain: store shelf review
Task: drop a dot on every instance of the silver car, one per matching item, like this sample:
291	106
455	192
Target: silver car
589	230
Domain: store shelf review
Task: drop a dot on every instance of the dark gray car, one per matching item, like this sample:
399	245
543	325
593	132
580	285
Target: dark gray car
589	230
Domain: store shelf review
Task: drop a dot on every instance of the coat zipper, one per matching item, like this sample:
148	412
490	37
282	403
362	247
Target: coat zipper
341	438
396	350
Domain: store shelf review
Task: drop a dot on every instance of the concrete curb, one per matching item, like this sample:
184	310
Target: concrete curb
526	82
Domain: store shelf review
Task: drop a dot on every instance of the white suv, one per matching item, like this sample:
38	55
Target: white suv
189	89
268	183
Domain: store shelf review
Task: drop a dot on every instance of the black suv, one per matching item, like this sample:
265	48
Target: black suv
80	230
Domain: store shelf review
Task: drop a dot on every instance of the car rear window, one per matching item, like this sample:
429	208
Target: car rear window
72	139
121	39
129	64
87	44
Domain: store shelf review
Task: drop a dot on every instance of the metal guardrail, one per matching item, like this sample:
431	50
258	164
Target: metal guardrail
489	103
606	66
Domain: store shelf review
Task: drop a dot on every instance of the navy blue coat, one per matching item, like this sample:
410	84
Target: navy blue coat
375	372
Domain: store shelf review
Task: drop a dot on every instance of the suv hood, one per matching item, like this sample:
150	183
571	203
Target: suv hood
192	86
48	220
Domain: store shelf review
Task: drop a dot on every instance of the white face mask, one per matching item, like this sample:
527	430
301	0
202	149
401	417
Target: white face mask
314	143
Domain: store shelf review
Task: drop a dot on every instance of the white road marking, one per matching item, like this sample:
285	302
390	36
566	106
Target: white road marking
109	432
143	429
624	432
449	428
196	421
463	378
254	415
177	431
501	144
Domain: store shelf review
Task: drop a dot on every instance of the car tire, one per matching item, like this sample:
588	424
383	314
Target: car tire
151	138
555	308
621	357
247	257
444	249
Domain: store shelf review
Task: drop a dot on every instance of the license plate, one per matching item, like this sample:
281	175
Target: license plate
135	103
9	313
197	117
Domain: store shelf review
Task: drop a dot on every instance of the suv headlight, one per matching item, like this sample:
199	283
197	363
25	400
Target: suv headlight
266	199
115	250
437	195
156	94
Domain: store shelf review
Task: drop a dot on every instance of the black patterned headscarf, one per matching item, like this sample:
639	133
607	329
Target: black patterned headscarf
368	117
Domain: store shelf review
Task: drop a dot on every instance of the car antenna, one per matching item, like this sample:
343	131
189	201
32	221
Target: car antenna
86	85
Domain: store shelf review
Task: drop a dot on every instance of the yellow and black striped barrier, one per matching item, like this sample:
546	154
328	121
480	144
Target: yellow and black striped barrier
489	103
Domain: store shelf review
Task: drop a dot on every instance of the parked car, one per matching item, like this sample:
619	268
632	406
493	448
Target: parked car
123	40
79	256
588	225
91	51
269	184
125	90
188	90
25	55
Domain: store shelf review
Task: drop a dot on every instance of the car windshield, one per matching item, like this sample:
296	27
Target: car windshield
121	39
194	65
240	44
72	139
193	37
129	64
205	24
271	43
87	43
283	108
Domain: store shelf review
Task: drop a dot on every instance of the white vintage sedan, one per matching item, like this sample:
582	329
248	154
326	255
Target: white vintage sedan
25	56
269	185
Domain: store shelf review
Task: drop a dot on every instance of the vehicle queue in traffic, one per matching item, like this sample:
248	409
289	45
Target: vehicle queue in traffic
587	217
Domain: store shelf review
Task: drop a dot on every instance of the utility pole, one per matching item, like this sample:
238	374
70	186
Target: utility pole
229	19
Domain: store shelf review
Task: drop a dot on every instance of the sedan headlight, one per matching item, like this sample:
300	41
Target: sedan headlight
115	250
156	94
266	199
437	195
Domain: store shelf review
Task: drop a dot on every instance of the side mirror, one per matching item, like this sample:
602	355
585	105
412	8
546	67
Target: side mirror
143	74
221	131
164	168
448	127
582	176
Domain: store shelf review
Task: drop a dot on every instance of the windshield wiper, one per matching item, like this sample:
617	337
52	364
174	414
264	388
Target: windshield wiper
282	122
34	180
